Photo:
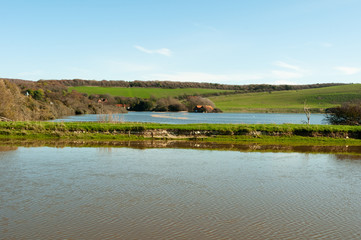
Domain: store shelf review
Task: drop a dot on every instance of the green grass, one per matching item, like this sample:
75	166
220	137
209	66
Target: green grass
317	99
106	127
284	134
145	92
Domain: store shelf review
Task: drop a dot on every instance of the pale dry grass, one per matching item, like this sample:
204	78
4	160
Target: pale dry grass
110	118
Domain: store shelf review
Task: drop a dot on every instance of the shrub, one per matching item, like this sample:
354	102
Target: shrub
346	114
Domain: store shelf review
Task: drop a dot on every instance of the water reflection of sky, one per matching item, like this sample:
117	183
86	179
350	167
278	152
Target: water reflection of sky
131	193
185	117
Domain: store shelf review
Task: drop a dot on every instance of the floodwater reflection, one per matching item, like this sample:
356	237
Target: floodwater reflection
8	148
11	144
167	193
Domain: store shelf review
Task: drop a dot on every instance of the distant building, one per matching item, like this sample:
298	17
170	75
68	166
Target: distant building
203	109
102	100
126	106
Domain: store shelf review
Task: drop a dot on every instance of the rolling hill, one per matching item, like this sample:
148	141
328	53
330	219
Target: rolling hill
145	92
317	99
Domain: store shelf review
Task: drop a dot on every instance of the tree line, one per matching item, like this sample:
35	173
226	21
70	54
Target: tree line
164	104
175	84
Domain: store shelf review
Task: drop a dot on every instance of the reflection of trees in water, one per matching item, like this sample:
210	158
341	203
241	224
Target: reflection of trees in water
105	150
347	157
8	148
342	152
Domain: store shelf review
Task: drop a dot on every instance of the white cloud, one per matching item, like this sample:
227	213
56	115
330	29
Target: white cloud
286	65
348	70
206	77
289	71
284	82
162	51
286	74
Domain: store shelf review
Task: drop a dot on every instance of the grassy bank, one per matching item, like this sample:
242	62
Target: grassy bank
287	134
317	99
145	92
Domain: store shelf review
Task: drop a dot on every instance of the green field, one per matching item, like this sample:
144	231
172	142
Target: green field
144	92
317	99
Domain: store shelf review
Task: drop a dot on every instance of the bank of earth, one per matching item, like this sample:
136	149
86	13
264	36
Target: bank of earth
260	133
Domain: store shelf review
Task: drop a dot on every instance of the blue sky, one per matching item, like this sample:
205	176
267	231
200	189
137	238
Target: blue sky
228	41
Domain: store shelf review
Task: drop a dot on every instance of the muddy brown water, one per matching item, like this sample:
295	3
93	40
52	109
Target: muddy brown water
170	193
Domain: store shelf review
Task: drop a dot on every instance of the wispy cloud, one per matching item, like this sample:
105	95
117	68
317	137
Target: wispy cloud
162	51
289	71
206	77
286	65
284	82
348	70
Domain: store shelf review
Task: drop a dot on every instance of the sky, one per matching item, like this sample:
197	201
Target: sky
217	41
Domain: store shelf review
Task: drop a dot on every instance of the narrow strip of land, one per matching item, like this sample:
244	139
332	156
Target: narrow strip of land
285	134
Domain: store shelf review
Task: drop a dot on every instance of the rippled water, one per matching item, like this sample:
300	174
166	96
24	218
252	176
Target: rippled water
185	117
124	193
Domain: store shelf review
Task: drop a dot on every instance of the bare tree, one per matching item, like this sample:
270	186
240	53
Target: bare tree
306	109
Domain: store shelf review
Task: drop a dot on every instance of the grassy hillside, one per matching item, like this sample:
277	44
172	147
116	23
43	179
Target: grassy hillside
144	92
28	100
317	99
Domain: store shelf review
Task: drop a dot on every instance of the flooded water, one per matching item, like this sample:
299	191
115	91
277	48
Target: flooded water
185	118
126	193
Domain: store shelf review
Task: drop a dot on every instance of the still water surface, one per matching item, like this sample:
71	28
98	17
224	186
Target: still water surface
124	193
185	117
